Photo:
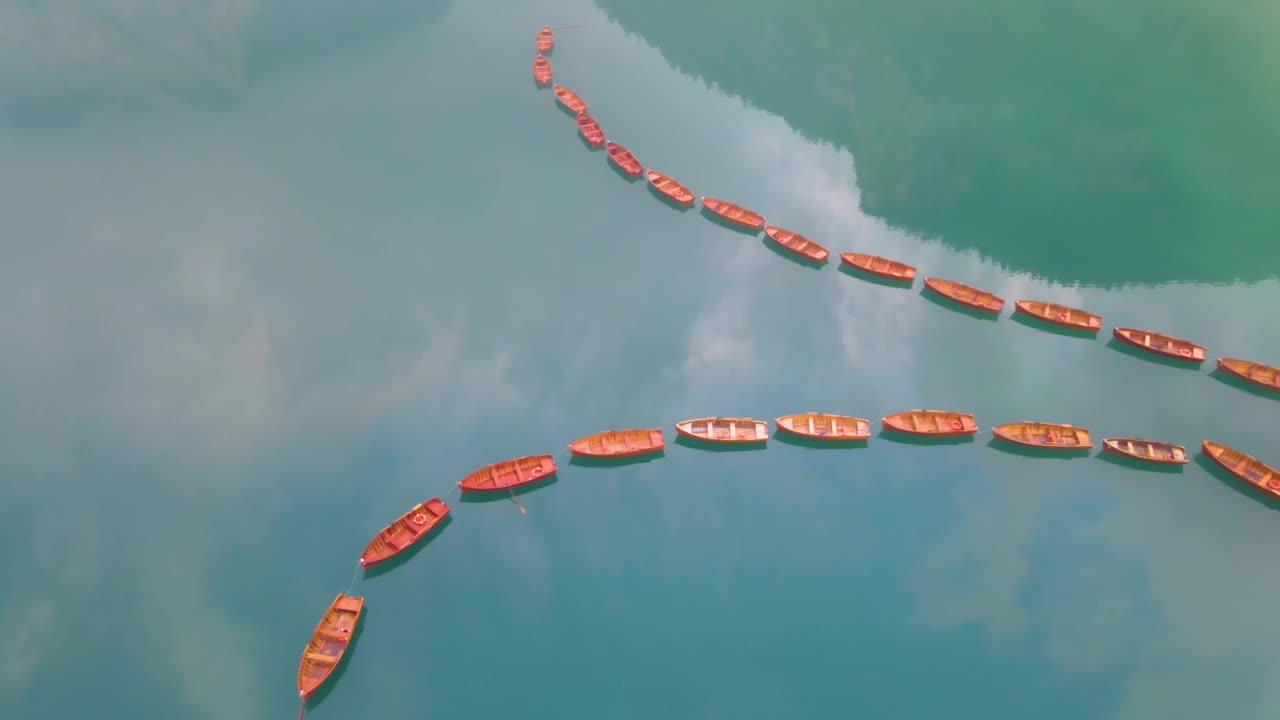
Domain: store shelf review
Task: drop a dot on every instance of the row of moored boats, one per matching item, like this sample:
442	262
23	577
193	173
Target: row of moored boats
332	636
882	267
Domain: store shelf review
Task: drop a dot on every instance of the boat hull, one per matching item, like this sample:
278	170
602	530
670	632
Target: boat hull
1060	315
1048	436
1245	467
542	70
797	244
724	430
619	443
624	159
965	295
670	187
936	423
569	99
590	129
1256	373
1169	346
544	39
822	426
892	269
509	474
407	530
328	643
1172	455
734	213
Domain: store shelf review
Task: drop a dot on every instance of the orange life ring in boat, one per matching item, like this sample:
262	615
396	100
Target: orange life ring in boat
1273	484
957	425
1062	316
419	519
536	471
1184	351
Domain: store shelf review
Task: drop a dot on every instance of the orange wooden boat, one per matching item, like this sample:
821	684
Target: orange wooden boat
623	158
965	295
670	187
590	129
1060	314
822	426
569	99
797	243
542	70
1161	344
1246	467
328	643
619	443
1148	450
876	265
1264	375
509	473
404	532
1044	435
733	213
544	39
932	422
725	429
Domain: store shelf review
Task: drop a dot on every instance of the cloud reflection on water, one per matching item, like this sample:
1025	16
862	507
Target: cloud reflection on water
148	331
26	649
211	352
1103	616
72	65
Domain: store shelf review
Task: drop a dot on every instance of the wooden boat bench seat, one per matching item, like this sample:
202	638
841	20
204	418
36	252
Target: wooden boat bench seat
320	657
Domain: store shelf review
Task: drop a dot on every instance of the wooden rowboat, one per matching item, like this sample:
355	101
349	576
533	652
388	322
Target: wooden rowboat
569	99
619	443
623	158
404	532
725	429
1148	450
1246	467
590	129
797	243
541	70
965	295
509	473
1254	372
1044	435
328	643
932	422
544	39
1060	314
825	427
670	187
876	265
733	213
1161	344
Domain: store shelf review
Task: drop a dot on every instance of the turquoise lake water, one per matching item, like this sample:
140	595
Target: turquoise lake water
274	272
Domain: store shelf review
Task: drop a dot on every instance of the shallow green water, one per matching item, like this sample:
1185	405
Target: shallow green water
272	274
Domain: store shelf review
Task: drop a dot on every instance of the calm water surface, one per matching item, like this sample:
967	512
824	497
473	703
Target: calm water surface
274	272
